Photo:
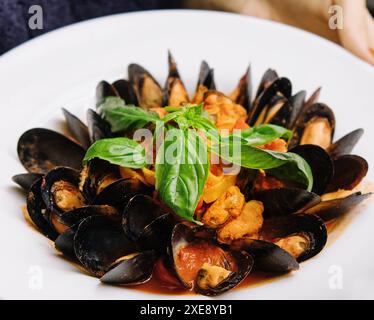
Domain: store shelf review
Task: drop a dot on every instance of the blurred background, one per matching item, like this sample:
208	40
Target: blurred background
346	22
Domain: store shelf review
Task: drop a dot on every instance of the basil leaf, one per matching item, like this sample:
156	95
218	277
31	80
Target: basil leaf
124	117
263	134
120	151
289	165
182	168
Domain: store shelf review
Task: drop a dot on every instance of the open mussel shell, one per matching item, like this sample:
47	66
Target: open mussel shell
146	221
133	269
175	93
267	79
60	190
65	242
25	180
98	128
207	257
331	209
297	102
268	257
280	87
118	193
284	201
96	176
315	125
349	170
77	129
345	144
311	228
321	165
125	91
243	92
75	216
38	212
103	90
206	77
41	150
147	89
99	241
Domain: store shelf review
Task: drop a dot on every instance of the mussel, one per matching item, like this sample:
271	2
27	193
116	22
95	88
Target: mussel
147	222
320	163
242	94
147	89
175	93
41	150
205	266
345	145
315	125
302	235
133	269
98	128
268	257
77	128
25	180
99	242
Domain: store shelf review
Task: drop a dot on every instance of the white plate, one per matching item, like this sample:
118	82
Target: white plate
62	68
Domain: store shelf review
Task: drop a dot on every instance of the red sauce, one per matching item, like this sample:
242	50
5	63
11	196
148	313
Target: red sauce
191	258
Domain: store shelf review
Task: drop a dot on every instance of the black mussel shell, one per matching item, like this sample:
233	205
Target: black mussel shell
245	90
329	210
65	242
38	212
103	90
349	170
279	202
280	87
317	110
175	93
98	128
75	216
61	185
97	175
312	99
268	78
183	235
118	193
125	91
99	241
147	89
77	128
320	163
244	263
297	101
283	116
268	257
140	213
25	180
345	144
41	150
306	225
131	270
206	77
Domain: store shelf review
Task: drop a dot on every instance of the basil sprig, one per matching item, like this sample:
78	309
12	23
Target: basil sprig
182	169
124	117
120	151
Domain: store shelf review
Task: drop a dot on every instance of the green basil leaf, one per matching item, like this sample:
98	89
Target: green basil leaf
124	117
293	166
263	134
182	169
120	151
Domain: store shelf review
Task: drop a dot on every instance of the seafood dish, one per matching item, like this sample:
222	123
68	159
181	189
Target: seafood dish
194	193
